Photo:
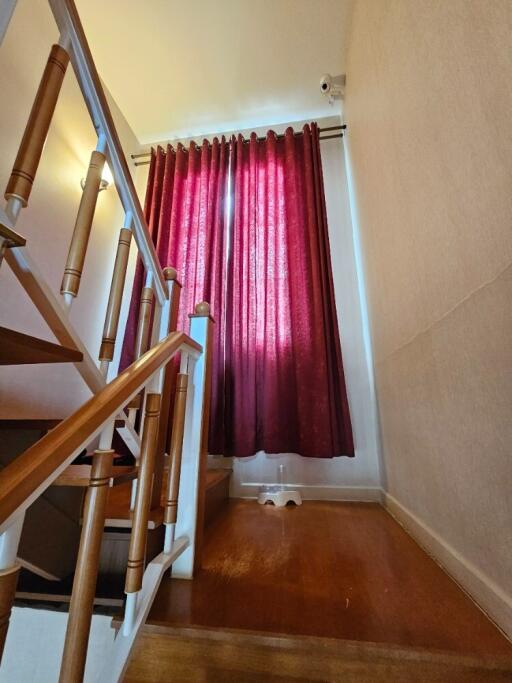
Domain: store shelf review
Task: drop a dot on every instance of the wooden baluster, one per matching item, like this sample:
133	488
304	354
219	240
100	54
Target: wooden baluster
115	299
31	147
141	340
191	499
137	550
144	325
175	453
86	573
83	224
9	571
174	288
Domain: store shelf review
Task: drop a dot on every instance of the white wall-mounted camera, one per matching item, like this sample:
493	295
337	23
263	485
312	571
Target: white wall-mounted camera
333	87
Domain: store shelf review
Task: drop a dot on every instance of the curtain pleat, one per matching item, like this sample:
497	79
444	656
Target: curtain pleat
264	266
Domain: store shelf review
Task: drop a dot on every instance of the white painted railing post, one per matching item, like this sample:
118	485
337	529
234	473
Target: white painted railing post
190	517
9	571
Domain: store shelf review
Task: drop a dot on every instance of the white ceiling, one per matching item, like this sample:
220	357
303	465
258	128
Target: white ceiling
181	69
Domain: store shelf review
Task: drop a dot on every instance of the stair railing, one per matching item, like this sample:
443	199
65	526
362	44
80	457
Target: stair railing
145	386
27	477
73	47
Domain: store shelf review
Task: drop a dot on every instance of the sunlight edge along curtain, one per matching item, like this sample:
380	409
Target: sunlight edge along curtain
278	383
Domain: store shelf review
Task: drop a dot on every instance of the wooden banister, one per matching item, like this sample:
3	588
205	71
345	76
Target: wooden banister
33	471
68	21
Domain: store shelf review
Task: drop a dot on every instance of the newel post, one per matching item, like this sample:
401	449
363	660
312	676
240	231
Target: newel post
190	517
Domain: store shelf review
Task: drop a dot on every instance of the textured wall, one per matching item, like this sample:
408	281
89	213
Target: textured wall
428	106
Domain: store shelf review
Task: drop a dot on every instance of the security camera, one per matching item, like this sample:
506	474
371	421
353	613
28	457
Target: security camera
326	84
332	87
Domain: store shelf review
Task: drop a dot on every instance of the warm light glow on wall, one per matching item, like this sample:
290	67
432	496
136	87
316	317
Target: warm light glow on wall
106	178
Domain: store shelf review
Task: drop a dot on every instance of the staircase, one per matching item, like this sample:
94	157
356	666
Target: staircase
100	531
49	542
97	529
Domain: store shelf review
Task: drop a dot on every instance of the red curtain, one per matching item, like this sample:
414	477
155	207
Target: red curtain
185	211
284	377
263	263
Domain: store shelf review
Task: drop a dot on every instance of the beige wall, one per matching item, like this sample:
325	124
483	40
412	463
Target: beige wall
52	391
428	106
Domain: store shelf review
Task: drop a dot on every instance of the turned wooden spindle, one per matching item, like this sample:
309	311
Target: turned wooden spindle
137	550
83	225
31	147
86	572
176	449
116	296
143	330
8	582
170	372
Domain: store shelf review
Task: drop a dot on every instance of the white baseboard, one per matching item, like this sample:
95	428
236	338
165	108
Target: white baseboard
316	492
482	589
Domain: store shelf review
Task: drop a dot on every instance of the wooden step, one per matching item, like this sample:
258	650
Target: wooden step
119	516
17	348
80	475
11	237
178	655
217	492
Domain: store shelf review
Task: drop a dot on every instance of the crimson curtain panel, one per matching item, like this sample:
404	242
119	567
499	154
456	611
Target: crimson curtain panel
244	223
185	209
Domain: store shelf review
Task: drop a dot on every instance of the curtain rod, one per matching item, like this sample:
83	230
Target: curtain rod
279	137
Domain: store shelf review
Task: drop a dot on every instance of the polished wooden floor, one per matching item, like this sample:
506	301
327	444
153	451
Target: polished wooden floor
334	570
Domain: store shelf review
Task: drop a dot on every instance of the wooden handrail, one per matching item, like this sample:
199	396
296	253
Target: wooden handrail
26	476
68	21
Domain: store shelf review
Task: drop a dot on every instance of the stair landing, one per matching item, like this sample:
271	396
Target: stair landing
347	571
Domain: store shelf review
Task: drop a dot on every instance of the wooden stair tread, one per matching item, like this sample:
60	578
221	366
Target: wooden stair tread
11	237
17	348
215	476
118	513
79	475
